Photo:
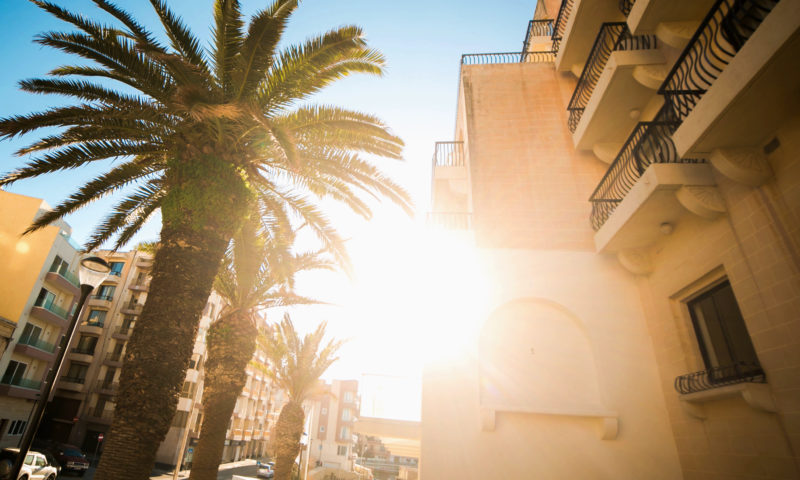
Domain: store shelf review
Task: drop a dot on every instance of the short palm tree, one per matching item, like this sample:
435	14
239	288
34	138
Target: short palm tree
257	273
208	138
295	365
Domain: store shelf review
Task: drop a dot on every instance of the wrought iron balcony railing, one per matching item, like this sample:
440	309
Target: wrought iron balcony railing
650	142
79	380
721	34
560	25
83	350
506	57
625	6
537	28
448	154
613	36
451	220
106	298
719	377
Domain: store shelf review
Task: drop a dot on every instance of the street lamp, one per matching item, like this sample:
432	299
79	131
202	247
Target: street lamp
92	272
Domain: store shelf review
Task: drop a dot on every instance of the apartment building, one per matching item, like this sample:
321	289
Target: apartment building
631	180
331	416
38	290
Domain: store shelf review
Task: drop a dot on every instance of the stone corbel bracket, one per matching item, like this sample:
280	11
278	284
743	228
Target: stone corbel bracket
757	395
748	166
638	261
704	201
608	427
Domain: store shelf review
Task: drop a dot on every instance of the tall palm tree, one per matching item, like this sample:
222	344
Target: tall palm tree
257	273
208	138
295	365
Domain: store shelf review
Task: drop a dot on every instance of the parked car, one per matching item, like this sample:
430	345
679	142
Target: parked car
266	470
35	467
71	458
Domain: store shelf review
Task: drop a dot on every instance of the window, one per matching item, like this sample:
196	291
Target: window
322	429
345	414
76	373
341	450
722	335
17	427
344	434
59	266
348	397
86	345
180	418
96	318
188	389
45	299
14	373
30	334
141	278
324	411
106	292
116	268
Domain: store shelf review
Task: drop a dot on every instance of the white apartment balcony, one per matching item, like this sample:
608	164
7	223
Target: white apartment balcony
576	28
538	36
84	355
103	301
736	81
616	86
144	262
649	188
65	281
73	384
674	22
450	187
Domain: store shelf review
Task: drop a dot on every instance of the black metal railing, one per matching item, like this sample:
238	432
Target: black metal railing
451	220
625	6
719	377
537	28
83	350
448	154
506	57
722	33
80	380
650	142
613	36
560	25
106	298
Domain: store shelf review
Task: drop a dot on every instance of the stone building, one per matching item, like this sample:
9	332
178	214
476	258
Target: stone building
631	182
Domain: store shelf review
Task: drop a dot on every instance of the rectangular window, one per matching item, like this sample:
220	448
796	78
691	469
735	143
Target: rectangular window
348	397
324	411
345	414
722	335
14	373
17	427
188	389
30	334
86	345
344	434
96	318
45	298
341	450
106	292
59	266
116	268
76	373
322	429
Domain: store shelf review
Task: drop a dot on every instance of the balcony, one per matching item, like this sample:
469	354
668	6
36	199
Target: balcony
122	333
35	348
73	384
103	417
719	377
65	281
21	388
50	313
114	359
107	388
741	379
673	22
92	327
507	57
131	308
616	83
140	286
735	82
576	28
113	277
101	300
539	36
144	262
82	354
641	190
450	179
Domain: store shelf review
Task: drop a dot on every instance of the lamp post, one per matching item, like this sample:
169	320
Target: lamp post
92	272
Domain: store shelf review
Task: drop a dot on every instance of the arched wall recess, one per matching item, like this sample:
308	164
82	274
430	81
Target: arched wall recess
535	357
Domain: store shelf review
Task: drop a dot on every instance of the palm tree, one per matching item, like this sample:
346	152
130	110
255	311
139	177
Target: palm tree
258	273
208	138
295	366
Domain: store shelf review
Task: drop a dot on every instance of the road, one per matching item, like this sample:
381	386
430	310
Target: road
226	472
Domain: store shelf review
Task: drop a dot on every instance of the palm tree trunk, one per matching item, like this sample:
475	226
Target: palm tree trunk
286	443
231	342
205	206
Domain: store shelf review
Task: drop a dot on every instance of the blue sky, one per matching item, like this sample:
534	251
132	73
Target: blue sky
422	41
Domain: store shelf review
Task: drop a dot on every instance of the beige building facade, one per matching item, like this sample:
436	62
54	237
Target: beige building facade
654	330
37	293
331	418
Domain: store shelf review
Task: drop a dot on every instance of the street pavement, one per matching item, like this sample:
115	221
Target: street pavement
226	472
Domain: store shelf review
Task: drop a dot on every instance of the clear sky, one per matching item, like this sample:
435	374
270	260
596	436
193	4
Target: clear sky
423	42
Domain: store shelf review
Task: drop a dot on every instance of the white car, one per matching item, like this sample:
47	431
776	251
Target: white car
36	466
265	471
